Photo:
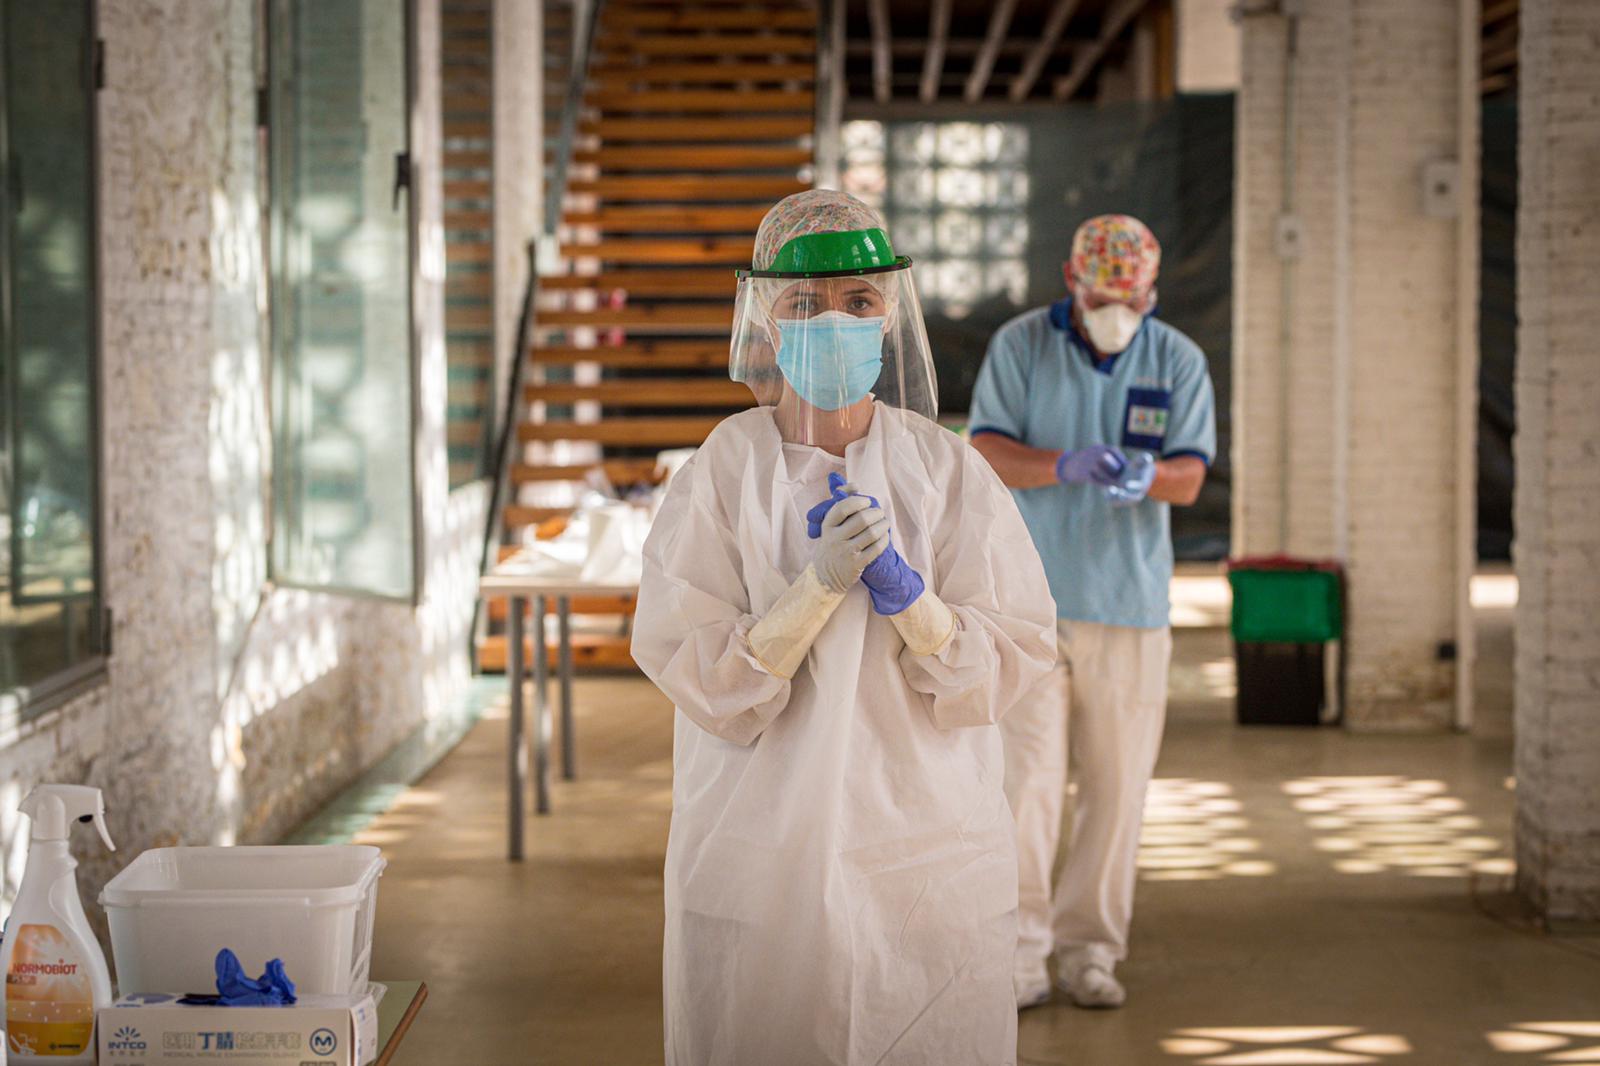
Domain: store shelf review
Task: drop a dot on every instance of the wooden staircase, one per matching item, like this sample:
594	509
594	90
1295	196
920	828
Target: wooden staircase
697	117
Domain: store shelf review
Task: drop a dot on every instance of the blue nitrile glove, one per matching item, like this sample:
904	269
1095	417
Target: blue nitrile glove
234	989
890	581
836	493
1134	485
1099	463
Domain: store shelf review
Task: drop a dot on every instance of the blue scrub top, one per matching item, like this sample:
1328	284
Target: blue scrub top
1040	385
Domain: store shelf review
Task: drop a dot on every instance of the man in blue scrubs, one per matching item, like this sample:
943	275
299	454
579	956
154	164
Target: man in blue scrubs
1099	417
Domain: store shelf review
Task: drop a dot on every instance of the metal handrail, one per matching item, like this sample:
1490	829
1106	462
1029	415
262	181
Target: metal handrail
499	486
586	16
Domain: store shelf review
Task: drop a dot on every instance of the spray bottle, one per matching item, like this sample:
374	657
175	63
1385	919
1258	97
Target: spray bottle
56	978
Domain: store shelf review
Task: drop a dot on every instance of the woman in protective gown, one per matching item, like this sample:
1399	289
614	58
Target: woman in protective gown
841	600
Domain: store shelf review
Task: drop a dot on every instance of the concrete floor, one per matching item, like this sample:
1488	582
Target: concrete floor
1307	897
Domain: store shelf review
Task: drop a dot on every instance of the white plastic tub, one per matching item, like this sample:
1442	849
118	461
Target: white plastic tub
173	909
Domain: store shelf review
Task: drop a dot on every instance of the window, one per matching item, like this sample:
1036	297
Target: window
467	119
955	197
344	513
51	622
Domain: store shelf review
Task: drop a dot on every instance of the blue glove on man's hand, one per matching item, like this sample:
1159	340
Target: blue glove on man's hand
1099	463
890	581
1134	484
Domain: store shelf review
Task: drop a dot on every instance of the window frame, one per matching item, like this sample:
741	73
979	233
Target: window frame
22	704
272	237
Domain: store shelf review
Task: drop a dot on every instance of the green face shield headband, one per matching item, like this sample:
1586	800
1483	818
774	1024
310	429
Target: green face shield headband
833	255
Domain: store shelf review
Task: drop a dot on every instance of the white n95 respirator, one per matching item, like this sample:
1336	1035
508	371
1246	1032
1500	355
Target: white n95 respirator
1111	328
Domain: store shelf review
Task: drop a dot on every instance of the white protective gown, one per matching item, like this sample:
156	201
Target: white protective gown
841	875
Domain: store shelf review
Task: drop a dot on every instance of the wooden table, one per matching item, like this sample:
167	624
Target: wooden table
521	588
395	1015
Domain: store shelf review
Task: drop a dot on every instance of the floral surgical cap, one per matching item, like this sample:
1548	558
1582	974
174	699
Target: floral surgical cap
1116	257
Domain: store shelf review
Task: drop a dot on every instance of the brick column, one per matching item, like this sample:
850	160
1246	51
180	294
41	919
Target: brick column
1557	549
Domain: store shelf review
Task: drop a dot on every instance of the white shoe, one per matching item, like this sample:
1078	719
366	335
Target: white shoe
1032	990
1094	987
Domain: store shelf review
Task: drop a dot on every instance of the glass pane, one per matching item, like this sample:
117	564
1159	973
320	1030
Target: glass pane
48	593
466	121
343	505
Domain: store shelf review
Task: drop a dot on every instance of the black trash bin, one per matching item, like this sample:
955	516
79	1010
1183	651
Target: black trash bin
1285	613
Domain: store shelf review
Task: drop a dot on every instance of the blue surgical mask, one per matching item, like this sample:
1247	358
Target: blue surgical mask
833	359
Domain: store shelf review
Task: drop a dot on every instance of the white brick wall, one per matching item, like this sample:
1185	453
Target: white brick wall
230	714
1373	367
1557	447
518	37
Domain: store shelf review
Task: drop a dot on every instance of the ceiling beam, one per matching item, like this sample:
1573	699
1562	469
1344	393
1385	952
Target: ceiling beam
1055	24
938	37
999	24
1084	62
882	58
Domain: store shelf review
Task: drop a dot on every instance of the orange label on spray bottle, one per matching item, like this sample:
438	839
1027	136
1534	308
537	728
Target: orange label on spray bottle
49	997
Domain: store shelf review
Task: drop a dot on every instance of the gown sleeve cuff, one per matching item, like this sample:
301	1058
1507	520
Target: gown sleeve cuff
927	626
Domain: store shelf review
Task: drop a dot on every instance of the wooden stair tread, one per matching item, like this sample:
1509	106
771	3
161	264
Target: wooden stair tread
469	316
471	189
696	157
456	159
591	651
617	471
460	252
689	188
706	44
699	129
624	219
664	250
663	431
696	100
517	515
664	354
716	282
676	316
645	392
461	284
457	99
452	21
699	18
614	73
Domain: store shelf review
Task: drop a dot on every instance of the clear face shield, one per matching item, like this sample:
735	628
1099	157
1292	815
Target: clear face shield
821	346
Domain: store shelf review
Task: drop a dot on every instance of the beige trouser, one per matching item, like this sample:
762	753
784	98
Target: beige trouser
1112	682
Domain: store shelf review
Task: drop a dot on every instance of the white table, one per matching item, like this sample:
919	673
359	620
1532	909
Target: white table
511	579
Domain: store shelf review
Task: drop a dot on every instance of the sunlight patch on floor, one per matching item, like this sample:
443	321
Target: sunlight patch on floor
1284	1045
1392	823
1194	831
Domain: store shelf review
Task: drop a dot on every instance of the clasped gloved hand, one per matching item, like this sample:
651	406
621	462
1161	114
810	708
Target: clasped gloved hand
890	581
1098	463
1134	484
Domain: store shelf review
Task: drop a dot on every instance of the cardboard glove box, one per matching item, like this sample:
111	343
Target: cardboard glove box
147	1030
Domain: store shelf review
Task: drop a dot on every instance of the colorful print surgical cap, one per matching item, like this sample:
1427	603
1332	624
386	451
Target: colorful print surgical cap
805	213
1114	256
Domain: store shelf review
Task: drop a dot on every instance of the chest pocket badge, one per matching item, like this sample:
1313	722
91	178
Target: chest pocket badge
1145	425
